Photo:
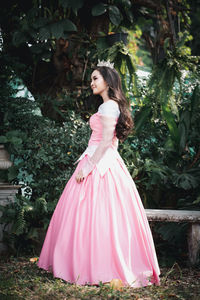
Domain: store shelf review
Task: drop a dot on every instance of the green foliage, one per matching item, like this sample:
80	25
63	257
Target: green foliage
45	22
13	137
166	166
194	43
99	9
161	86
163	153
44	27
115	15
25	220
167	176
52	152
124	64
53	45
171	239
46	152
43	163
43	153
115	12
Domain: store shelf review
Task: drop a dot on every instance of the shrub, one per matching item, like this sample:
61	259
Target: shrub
167	174
43	154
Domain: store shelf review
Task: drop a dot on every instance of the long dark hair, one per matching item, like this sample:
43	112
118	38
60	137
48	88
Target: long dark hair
125	121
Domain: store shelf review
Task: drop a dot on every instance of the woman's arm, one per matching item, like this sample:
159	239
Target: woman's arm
108	131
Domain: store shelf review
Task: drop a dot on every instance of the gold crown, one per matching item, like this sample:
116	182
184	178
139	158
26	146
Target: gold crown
104	63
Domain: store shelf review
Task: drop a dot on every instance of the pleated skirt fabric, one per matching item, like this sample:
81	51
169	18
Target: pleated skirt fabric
99	232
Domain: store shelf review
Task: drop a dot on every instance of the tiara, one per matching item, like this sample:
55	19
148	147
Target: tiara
104	63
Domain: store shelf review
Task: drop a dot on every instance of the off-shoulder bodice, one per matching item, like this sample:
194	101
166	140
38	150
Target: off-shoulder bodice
109	109
96	126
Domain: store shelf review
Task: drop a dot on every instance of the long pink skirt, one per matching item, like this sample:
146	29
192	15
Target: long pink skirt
99	232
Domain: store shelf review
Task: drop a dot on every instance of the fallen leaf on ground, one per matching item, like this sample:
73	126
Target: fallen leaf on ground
116	284
33	259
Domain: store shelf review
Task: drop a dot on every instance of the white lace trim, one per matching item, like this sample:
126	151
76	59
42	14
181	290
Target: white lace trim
89	150
109	108
106	161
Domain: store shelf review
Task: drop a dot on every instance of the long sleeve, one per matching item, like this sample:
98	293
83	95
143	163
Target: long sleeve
108	116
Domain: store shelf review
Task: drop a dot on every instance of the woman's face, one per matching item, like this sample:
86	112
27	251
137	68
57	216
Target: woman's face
98	84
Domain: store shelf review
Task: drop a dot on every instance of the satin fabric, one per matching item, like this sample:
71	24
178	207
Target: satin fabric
99	230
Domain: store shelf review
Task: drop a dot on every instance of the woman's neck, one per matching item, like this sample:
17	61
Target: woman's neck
105	96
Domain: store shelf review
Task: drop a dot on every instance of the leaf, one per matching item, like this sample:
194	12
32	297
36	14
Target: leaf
123	67
40	22
57	30
15	140
116	284
37	48
184	128
171	232
11	212
75	5
115	15
101	43
33	235
13	133
44	33
12	173
99	9
197	201
64	3
3	139
182	40
68	25
186	181
126	3
132	72
129	15
183	136
171	123
142	117
33	259
19	38
169	144
185	118
166	43
194	102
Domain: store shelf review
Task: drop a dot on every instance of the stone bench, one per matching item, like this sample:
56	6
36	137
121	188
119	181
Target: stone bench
187	216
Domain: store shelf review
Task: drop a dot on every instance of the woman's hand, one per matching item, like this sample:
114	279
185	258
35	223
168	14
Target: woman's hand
79	176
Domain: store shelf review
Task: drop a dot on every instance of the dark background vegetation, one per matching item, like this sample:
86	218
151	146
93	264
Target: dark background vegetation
51	47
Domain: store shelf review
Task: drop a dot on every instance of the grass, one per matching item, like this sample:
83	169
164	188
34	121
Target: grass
20	278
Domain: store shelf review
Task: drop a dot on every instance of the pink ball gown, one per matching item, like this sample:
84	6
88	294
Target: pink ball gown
99	230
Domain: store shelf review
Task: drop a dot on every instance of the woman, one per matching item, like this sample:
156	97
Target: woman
99	230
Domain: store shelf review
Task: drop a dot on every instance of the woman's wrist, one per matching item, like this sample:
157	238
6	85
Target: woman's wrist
91	162
88	167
